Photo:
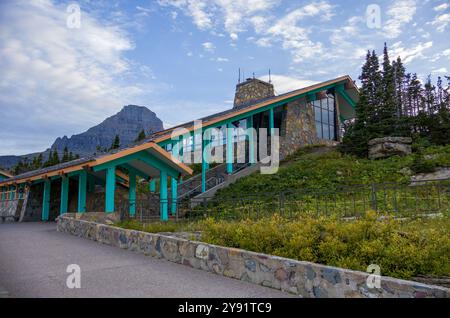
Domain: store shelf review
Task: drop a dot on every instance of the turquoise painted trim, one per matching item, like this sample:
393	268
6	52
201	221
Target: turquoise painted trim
153	185
141	155
341	90
205	164
163	196
82	187
110	189
12	193
271	122
174	189
46	200
64	195
229	147
132	192
251	141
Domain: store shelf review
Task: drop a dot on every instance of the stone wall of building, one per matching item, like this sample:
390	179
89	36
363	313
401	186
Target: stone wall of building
252	90
298	128
301	278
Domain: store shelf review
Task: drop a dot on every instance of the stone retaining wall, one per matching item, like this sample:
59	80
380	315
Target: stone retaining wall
302	278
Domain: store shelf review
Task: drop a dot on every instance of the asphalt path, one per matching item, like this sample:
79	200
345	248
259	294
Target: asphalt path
34	258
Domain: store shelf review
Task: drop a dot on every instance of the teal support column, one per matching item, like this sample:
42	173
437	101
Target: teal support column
46	200
153	185
163	196
251	141
3	193
64	194
230	148
110	189
205	164
132	192
271	121
174	189
82	186
11	192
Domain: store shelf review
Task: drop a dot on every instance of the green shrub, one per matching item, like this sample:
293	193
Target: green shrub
402	249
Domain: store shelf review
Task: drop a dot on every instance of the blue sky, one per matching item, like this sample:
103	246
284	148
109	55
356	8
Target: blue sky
180	58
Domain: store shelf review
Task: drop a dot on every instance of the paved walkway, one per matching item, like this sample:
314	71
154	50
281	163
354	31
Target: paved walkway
34	258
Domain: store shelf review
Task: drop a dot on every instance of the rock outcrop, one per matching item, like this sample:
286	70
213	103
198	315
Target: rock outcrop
389	146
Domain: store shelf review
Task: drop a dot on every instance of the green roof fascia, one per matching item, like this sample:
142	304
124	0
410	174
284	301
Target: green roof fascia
341	90
141	155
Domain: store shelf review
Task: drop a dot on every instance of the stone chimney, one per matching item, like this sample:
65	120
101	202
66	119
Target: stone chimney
252	90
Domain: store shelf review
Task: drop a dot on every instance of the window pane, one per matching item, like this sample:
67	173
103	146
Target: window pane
319	129
326	132
332	137
324	116
317	113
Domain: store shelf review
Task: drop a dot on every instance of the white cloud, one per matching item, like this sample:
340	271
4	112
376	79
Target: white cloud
441	7
294	37
409	54
441	70
400	13
441	22
284	84
222	59
197	10
233	15
209	47
59	78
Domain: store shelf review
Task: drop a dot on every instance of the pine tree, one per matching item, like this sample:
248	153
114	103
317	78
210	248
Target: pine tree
361	129
141	136
65	157
388	123
116	143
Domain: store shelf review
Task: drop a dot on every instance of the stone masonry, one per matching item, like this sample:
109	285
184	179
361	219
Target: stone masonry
301	278
298	128
252	90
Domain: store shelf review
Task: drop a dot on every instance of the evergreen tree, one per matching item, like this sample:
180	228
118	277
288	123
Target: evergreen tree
141	136
116	143
65	157
388	123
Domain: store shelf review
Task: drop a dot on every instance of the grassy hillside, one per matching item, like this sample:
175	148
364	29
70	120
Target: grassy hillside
313	168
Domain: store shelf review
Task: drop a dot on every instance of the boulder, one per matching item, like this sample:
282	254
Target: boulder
389	146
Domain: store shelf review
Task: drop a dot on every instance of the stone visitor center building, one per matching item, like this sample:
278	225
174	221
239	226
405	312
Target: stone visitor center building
307	116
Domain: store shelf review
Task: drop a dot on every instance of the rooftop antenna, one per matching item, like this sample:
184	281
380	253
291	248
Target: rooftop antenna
253	75
239	79
270	78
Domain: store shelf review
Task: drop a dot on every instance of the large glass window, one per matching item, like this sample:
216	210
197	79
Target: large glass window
324	115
